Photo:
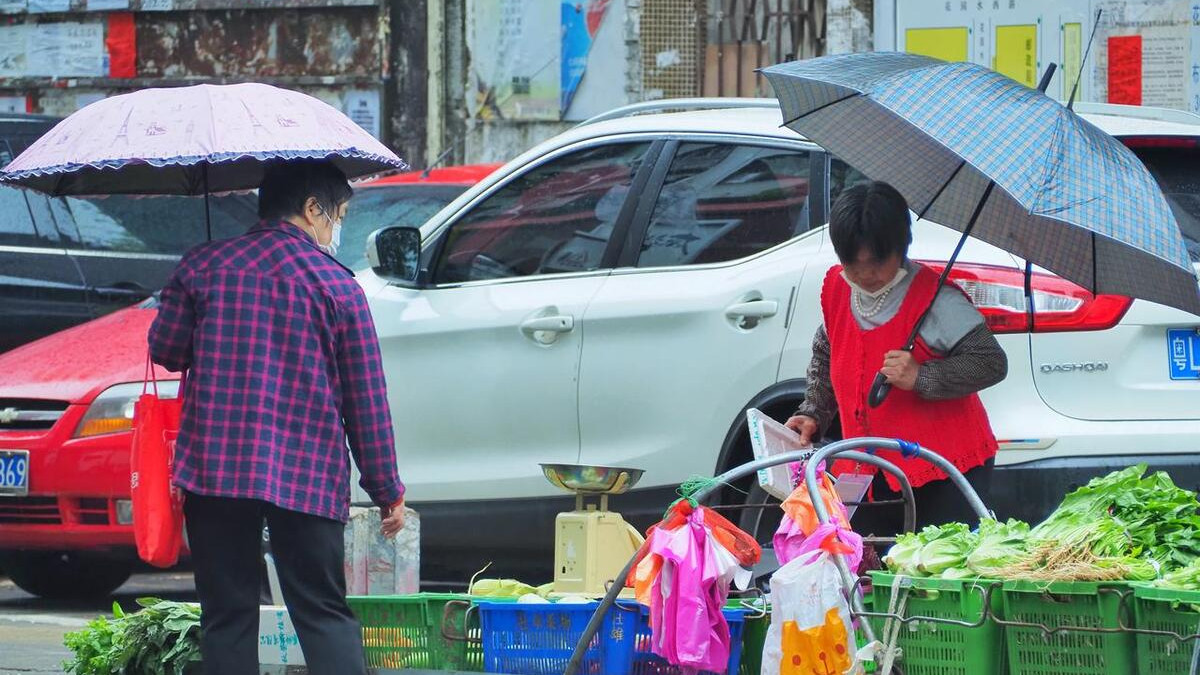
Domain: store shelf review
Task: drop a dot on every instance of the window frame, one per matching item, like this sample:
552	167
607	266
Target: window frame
434	250
818	209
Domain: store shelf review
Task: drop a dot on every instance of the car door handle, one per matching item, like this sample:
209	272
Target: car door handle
121	292
755	309
546	329
550	324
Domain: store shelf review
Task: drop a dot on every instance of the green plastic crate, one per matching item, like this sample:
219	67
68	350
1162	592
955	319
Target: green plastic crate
406	631
1166	610
931	648
754	634
1061	604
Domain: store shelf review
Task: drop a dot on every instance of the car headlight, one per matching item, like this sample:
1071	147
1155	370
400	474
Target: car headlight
112	411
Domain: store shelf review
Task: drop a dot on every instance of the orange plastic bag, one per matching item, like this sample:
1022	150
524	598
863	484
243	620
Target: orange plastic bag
157	504
799	506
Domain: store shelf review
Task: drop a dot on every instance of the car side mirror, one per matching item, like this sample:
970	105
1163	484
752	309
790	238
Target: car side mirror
394	254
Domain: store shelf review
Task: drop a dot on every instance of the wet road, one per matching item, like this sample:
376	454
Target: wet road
32	629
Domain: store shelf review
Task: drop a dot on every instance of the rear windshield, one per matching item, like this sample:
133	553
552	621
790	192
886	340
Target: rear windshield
1177	170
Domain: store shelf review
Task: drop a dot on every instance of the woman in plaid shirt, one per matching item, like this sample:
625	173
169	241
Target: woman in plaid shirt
283	374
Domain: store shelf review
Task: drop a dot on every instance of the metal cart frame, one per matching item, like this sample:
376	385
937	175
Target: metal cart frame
857	449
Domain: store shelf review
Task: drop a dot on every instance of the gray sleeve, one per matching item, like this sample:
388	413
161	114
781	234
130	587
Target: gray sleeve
819	402
973	364
951	319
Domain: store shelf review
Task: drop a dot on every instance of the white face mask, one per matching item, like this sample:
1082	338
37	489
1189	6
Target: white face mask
900	274
336	239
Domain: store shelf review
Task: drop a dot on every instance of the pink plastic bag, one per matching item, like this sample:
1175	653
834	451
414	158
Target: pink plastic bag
791	542
687	626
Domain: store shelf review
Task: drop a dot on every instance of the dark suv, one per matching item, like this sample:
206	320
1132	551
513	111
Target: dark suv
64	261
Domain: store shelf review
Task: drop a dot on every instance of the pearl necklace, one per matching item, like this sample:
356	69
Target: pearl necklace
878	307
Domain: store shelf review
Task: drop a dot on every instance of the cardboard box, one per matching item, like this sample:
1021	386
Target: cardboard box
277	640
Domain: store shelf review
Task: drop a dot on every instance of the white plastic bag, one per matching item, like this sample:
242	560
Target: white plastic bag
810	630
767	439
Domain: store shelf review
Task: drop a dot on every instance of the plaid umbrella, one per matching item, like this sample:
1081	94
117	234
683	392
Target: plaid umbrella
959	140
974	150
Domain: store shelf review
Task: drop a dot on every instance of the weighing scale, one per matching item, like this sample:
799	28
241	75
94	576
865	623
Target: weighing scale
591	543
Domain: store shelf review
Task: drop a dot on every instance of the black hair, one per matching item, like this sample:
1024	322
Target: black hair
287	185
871	216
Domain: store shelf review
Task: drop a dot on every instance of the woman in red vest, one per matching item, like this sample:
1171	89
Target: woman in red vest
871	303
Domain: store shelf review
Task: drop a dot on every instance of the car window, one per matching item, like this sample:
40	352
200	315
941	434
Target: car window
405	205
722	202
1176	171
165	225
557	217
17	226
842	176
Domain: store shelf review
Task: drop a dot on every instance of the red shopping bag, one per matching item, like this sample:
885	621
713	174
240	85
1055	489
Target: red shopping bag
157	505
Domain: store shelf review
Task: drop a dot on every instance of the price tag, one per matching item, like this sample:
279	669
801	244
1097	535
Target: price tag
851	488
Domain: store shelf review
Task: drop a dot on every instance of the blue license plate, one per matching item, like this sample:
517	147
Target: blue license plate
1183	353
14	472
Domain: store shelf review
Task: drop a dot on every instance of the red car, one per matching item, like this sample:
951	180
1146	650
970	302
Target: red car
66	405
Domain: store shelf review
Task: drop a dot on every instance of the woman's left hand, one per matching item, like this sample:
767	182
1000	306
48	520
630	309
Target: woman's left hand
900	369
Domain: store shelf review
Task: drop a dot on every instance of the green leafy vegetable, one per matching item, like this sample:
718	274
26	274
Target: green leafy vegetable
998	545
937	550
1182	579
163	638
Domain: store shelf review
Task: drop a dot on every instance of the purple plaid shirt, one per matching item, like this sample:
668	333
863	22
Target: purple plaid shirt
283	369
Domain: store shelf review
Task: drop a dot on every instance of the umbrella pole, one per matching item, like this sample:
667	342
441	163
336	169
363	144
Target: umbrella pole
880	387
207	217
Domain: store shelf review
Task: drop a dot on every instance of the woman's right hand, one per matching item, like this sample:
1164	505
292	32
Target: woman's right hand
805	426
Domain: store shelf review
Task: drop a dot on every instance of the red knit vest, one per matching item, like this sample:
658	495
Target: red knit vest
957	429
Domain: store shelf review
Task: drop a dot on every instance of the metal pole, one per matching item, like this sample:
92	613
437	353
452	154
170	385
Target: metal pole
207	216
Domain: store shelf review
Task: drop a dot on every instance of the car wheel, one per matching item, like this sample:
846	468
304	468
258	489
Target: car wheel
60	575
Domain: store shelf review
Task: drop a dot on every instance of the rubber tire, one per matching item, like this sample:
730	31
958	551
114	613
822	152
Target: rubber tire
65	575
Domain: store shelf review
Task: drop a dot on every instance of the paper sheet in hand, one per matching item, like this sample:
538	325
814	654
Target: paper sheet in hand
769	438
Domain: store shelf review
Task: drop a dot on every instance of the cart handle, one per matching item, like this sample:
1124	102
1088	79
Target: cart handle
467	614
907	449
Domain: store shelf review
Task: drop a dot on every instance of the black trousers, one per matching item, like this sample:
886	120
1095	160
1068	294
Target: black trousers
225	537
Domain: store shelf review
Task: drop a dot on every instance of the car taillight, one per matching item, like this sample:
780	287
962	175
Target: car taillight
1060	305
1140	142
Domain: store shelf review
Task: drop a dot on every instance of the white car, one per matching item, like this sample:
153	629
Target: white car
621	294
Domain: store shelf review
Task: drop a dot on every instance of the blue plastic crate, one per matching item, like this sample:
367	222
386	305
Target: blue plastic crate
645	662
538	639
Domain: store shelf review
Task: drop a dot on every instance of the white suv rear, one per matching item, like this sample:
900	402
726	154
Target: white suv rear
622	293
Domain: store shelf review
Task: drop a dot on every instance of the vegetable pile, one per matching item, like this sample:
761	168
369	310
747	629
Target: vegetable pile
163	638
1123	526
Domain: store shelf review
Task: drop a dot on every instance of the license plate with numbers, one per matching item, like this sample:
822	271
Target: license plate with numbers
14	473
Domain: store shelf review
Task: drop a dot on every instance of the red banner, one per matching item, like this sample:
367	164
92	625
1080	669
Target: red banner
1125	69
121	43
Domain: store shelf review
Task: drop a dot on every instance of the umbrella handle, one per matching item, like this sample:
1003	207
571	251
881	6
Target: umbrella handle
879	390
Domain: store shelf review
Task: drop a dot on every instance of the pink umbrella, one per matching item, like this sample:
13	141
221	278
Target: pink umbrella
192	141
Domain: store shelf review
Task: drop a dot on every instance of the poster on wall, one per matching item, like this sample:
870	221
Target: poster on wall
65	49
362	107
546	59
1146	52
516	59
